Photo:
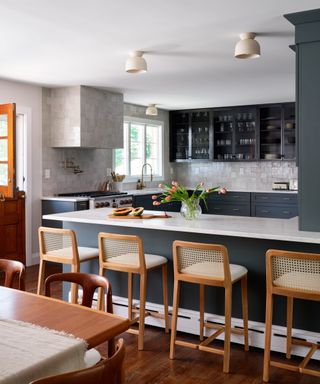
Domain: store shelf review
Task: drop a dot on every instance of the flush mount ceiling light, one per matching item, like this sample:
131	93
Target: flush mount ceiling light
152	110
136	63
247	47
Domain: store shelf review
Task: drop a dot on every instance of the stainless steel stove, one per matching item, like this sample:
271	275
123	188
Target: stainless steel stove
98	199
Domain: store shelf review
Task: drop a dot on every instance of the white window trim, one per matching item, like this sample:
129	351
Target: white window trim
131	119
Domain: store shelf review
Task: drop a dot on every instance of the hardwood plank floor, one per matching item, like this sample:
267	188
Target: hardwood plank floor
153	366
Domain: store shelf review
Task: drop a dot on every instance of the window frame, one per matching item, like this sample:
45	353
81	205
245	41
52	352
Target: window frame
138	120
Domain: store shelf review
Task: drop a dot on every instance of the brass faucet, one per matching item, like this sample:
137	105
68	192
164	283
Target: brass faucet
151	176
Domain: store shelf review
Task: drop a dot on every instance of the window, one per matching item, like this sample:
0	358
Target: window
142	144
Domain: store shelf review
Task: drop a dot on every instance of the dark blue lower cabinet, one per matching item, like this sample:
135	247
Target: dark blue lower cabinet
274	205
146	202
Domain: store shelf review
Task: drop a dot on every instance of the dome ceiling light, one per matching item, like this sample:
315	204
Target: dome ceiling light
152	110
247	47
136	63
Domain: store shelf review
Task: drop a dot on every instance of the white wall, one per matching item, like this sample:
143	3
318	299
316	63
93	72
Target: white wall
28	99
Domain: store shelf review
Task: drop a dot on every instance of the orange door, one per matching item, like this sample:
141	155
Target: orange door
7	150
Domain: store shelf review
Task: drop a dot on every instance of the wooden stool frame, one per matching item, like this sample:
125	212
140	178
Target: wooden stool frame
141	270
74	260
290	293
225	283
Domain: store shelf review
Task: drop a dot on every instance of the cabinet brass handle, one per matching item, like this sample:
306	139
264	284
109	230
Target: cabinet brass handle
2	197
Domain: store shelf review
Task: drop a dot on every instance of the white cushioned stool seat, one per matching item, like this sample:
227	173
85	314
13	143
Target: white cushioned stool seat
132	259
91	357
85	253
215	270
303	281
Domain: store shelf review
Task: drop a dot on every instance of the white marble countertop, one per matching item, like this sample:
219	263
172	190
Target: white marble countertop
248	227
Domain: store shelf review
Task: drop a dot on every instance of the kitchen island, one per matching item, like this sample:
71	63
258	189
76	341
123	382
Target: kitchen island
247	239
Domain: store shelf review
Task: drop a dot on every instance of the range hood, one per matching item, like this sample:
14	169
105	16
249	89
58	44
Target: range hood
83	117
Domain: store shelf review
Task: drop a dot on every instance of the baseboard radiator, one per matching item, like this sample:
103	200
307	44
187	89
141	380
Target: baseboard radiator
188	322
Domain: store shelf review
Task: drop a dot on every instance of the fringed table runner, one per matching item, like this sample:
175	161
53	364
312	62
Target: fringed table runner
28	352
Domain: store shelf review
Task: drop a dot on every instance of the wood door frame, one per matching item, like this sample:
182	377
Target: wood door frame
10	111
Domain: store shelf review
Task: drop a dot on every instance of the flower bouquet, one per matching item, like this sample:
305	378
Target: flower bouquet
190	207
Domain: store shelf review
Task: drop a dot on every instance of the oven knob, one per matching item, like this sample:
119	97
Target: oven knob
129	201
107	204
114	204
97	205
101	204
121	202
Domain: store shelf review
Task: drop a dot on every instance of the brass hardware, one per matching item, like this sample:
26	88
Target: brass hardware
2	197
151	176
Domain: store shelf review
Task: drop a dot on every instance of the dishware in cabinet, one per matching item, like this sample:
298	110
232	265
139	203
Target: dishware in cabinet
277	132
201	136
223	127
245	133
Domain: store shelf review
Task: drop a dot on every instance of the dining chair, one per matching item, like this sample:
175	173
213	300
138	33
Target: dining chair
11	269
60	246
89	283
108	371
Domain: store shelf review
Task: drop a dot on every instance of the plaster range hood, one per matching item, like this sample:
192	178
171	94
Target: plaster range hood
83	117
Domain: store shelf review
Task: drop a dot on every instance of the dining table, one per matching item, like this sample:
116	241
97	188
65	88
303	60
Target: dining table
39	334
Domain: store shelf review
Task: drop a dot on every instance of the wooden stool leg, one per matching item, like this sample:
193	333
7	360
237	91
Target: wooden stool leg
175	306
74	287
130	295
101	299
165	296
41	276
289	325
227	332
201	299
143	294
267	344
244	294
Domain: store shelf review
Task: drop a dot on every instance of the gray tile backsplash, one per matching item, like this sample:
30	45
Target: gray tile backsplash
249	176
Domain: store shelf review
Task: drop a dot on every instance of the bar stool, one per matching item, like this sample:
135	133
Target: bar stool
125	253
294	275
208	264
60	246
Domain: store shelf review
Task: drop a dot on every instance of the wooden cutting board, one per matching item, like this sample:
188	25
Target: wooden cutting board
142	217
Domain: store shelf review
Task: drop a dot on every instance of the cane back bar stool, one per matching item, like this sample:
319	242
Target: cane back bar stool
208	264
294	275
60	246
125	253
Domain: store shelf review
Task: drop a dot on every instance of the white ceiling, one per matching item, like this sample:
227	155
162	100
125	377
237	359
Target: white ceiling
189	48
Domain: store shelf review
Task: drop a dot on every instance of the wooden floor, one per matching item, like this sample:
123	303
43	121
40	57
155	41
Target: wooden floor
190	366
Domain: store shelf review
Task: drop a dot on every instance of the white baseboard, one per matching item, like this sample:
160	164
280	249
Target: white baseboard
188	322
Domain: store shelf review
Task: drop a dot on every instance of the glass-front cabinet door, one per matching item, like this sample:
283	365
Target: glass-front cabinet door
223	127
200	135
7	172
179	127
245	133
289	131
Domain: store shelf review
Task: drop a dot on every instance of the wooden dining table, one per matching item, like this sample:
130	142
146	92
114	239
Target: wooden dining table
95	327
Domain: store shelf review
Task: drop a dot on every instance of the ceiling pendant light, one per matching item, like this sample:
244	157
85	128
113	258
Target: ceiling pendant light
247	47
152	110
136	63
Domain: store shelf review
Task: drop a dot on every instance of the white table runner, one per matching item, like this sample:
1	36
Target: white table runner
28	352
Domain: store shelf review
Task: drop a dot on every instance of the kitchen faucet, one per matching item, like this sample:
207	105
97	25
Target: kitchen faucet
151	176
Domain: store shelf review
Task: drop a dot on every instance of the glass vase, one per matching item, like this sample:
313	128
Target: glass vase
190	209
